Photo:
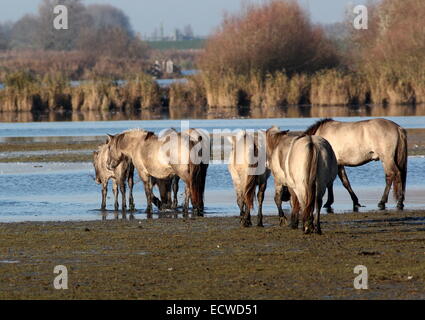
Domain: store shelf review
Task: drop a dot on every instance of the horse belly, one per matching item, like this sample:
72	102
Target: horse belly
354	159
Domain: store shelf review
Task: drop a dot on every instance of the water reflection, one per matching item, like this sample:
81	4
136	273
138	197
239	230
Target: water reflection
176	113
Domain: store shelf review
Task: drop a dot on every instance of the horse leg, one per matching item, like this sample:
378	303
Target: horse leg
317	228
169	194
241	203
246	218
123	200
328	204
278	201
295	211
163	191
115	190
130	181
260	198
149	195
389	178
104	194
175	186
186	201
344	178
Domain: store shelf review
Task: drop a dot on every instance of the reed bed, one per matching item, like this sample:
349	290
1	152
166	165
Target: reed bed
188	94
24	92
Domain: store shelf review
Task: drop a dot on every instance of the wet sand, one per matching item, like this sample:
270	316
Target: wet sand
214	258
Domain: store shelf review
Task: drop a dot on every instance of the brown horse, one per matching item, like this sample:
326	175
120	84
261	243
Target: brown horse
357	143
243	165
307	166
163	159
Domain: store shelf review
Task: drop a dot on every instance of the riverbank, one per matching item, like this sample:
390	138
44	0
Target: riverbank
213	258
22	150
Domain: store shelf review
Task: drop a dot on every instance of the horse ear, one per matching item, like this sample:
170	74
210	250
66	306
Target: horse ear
110	137
149	134
272	130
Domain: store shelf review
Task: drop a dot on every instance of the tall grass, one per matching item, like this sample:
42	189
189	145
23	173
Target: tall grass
188	94
24	92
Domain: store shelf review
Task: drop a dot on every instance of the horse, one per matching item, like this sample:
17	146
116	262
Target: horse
163	159
307	166
357	143
245	177
124	171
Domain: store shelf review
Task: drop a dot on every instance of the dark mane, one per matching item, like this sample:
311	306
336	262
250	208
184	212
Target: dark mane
313	128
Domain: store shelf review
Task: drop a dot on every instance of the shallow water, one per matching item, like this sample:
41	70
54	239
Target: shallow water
100	128
177	113
67	191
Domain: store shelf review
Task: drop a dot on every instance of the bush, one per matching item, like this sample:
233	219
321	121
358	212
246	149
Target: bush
263	39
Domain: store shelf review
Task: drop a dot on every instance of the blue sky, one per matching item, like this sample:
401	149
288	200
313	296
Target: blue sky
203	15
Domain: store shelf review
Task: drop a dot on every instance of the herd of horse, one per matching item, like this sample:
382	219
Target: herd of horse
303	165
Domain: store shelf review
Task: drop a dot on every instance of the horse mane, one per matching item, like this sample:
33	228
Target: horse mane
313	128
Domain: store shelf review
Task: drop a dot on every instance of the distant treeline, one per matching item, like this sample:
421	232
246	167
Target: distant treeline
98	29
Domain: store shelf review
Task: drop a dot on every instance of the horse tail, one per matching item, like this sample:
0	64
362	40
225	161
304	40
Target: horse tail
197	176
251	182
311	177
250	187
401	162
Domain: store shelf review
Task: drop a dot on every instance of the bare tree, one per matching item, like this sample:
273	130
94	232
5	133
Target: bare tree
24	33
107	16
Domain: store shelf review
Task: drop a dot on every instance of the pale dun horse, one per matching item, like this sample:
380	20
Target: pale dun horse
357	143
248	170
162	158
307	166
124	171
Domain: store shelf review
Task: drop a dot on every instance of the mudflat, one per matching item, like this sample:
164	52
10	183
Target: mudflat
214	258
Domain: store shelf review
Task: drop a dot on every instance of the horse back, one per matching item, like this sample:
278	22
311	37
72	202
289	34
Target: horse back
356	143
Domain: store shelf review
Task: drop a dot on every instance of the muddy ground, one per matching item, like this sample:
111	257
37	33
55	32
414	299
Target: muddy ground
214	258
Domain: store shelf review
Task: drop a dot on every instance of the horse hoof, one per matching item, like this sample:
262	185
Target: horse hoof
400	207
260	225
246	223
381	206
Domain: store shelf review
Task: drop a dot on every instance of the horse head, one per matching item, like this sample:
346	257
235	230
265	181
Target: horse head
115	155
